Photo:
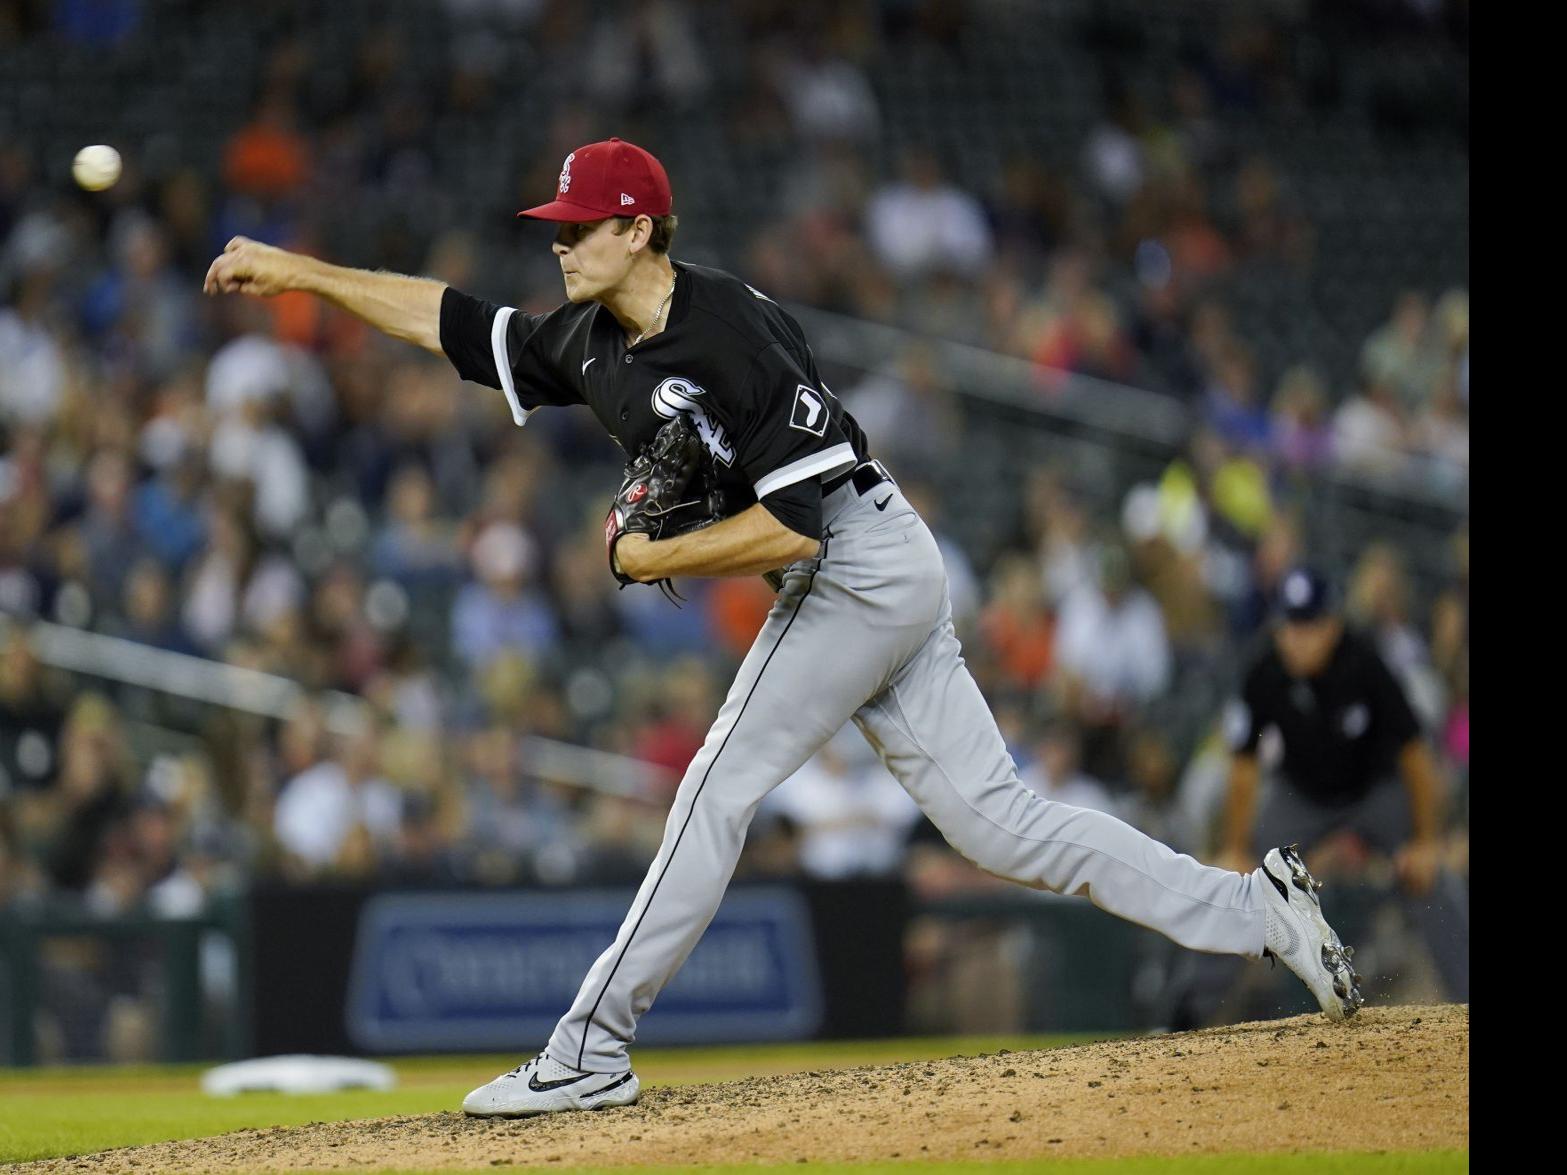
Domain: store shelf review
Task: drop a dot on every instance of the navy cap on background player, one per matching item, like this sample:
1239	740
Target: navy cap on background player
611	178
1305	595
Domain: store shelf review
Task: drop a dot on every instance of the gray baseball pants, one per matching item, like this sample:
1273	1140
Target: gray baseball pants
863	632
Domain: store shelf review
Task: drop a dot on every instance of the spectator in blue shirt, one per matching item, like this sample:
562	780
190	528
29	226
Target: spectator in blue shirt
501	611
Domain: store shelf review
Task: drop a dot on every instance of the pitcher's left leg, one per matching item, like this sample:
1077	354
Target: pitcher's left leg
936	734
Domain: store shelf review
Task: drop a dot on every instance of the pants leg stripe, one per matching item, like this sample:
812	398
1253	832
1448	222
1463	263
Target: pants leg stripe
582	1048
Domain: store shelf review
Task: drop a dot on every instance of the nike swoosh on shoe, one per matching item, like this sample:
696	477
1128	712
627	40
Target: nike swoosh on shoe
538	1086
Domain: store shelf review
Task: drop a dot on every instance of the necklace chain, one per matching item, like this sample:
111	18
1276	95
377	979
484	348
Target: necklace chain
657	313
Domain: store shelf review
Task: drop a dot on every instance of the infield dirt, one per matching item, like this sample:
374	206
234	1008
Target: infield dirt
1392	1079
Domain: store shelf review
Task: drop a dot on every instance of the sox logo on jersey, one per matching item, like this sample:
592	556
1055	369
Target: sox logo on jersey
676	395
809	413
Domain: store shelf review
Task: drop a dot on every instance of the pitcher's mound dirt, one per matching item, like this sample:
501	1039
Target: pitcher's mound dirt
1393	1079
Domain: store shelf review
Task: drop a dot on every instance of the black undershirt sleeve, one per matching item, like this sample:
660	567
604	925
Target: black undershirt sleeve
799	507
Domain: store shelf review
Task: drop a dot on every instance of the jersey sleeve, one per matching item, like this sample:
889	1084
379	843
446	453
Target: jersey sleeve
506	348
798	506
788	431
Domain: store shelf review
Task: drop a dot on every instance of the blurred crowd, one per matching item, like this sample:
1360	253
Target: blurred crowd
270	486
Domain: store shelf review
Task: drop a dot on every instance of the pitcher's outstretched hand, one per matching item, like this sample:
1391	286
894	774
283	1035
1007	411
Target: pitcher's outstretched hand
250	267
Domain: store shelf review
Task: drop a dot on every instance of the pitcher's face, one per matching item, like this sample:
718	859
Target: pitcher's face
593	258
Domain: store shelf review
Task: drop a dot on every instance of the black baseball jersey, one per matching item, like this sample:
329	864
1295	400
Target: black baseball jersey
1342	729
728	356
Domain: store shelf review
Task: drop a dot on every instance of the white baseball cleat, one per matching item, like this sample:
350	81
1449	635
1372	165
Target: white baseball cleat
544	1086
1297	934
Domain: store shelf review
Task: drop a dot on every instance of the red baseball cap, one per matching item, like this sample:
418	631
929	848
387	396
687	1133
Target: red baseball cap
612	178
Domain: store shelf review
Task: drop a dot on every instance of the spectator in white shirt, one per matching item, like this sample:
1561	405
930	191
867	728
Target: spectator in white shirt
327	813
1369	432
853	817
32	364
1112	656
1441	434
1110	639
924	225
1113	155
249	446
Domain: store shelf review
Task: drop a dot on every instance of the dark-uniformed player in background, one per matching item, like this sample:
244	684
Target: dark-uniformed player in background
1352	759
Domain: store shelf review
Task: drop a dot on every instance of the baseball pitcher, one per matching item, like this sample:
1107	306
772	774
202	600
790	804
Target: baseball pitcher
745	463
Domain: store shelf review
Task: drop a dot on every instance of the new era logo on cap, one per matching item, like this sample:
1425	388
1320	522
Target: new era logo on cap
612	178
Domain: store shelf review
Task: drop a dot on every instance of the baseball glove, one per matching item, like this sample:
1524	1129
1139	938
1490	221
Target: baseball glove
670	489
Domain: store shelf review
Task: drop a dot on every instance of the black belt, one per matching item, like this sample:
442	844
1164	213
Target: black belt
865	477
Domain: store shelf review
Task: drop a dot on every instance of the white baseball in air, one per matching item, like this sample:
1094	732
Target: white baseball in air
97	167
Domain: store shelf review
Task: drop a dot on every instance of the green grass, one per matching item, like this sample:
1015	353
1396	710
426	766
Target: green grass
42	1111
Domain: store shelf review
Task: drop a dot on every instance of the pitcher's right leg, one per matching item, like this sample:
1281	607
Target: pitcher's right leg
936	734
824	649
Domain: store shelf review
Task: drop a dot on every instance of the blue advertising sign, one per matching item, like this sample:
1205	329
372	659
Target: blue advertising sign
496	971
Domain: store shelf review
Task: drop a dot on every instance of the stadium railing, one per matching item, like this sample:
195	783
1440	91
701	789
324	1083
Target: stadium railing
268	695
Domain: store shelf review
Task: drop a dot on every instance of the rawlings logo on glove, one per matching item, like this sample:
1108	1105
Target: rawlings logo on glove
668	490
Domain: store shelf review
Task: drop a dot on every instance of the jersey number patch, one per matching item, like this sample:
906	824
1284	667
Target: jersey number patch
810	411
